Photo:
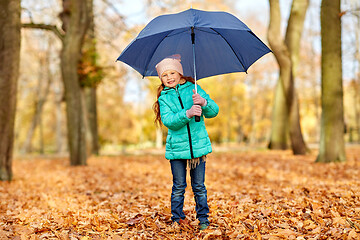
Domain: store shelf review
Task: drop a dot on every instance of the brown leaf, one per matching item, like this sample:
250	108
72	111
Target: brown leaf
135	220
285	233
353	234
212	234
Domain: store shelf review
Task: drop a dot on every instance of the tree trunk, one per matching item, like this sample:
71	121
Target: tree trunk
74	17
280	116
332	147
286	117
10	39
298	145
27	147
60	138
280	119
41	136
90	78
91	100
292	40
240	133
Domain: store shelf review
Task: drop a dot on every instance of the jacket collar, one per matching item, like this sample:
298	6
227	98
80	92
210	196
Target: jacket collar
177	87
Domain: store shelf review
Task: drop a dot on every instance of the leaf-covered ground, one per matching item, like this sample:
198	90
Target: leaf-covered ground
252	195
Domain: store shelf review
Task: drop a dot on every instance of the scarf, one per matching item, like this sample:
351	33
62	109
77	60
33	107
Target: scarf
193	163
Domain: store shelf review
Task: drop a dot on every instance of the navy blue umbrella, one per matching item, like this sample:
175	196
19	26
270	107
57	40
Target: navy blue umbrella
218	41
210	43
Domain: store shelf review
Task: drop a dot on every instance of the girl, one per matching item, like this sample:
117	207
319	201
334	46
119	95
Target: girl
187	142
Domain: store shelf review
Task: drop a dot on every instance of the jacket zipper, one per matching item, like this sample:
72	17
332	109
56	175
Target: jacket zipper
187	125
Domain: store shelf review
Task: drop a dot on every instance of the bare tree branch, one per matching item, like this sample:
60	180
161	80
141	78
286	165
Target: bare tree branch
52	28
29	13
111	6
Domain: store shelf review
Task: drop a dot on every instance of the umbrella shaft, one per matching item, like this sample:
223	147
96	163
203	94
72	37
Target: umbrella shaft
194	67
193	47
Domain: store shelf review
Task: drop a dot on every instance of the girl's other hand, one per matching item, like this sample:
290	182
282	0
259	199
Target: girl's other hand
195	110
198	100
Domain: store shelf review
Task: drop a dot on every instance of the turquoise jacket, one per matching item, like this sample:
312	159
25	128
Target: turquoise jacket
186	138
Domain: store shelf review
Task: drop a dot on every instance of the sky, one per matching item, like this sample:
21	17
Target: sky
136	14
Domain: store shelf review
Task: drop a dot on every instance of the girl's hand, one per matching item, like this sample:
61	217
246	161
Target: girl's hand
195	110
198	100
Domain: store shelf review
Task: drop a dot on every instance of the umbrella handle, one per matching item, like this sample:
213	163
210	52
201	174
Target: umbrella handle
197	118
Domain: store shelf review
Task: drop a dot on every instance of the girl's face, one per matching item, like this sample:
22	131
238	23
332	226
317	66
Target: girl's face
170	78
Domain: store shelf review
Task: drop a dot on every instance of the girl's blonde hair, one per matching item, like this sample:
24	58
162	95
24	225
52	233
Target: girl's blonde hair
156	106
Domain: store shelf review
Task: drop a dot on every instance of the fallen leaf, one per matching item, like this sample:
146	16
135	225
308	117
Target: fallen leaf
261	195
135	220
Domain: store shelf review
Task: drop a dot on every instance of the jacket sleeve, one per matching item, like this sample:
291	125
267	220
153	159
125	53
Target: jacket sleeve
172	120
211	109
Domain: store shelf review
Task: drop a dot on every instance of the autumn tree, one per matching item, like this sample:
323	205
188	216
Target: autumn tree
9	70
332	147
286	117
90	74
74	26
41	94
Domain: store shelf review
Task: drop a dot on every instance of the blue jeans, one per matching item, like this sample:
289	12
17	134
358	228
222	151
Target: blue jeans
178	169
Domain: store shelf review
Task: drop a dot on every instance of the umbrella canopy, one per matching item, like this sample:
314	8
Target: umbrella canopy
215	42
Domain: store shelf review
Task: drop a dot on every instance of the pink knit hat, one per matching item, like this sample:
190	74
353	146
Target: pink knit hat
170	63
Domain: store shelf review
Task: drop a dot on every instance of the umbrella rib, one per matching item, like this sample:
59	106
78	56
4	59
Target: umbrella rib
202	30
176	33
231	49
147	65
